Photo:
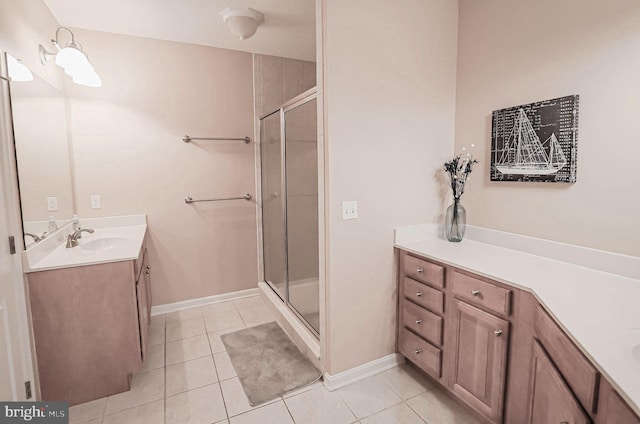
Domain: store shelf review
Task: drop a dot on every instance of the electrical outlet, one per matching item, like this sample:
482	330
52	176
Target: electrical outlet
96	202
52	203
350	209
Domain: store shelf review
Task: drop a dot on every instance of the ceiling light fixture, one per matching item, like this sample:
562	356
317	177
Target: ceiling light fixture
73	60
242	22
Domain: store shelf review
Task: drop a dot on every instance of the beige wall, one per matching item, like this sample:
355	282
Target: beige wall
514	55
389	80
128	149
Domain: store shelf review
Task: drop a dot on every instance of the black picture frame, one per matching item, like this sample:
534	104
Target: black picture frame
536	142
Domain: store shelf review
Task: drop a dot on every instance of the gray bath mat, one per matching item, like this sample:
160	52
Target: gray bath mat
267	362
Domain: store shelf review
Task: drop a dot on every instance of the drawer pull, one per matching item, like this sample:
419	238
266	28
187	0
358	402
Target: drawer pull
417	351
498	333
420	270
419	294
418	321
475	292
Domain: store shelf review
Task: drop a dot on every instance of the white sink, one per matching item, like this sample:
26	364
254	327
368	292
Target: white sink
103	243
114	239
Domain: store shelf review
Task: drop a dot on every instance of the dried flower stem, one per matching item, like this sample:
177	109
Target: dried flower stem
459	169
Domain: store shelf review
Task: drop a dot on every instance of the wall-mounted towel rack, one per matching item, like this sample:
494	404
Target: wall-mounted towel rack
187	139
190	199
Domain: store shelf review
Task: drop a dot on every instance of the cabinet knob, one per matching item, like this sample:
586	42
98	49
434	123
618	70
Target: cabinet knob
475	292
418	321
498	333
420	270
148	266
417	351
147	272
419	294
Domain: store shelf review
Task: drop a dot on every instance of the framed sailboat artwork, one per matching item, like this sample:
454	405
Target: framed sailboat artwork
536	142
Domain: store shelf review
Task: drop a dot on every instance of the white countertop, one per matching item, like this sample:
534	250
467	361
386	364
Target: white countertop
599	310
123	236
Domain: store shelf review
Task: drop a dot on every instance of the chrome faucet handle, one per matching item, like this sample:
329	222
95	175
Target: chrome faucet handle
34	236
81	230
72	239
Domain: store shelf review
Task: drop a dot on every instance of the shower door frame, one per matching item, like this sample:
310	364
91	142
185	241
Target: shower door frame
299	100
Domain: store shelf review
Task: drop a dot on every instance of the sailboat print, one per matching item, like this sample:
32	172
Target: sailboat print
524	154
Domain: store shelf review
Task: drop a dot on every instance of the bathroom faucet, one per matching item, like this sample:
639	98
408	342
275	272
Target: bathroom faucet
35	237
72	239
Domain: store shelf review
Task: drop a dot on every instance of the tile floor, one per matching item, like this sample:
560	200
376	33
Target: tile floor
188	378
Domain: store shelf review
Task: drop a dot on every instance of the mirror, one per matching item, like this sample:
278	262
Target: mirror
42	155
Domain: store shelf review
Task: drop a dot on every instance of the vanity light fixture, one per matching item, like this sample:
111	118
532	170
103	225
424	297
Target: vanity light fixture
17	71
73	60
243	22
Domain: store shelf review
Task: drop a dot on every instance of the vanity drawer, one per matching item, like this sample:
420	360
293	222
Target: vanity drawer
422	322
421	353
423	295
482	293
578	372
423	271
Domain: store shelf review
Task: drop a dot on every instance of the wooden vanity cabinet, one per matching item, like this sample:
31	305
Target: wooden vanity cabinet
552	401
421	313
576	370
579	393
612	409
143	299
500	352
90	328
479	359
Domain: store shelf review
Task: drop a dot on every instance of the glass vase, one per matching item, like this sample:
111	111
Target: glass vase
455	221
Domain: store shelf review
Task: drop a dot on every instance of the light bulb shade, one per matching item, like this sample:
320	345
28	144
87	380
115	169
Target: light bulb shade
70	59
18	71
242	22
87	76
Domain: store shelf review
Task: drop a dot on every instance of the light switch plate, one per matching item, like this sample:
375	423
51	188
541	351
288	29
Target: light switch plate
96	202
349	209
52	203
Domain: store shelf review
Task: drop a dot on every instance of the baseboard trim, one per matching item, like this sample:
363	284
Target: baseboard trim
185	304
333	382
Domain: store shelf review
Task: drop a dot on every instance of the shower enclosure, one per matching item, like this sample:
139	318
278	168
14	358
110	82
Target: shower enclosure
289	180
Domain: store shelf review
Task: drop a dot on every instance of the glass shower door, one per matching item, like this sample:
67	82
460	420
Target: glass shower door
273	206
301	178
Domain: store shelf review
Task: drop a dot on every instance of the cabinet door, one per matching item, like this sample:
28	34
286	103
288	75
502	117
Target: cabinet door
480	359
612	409
552	401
